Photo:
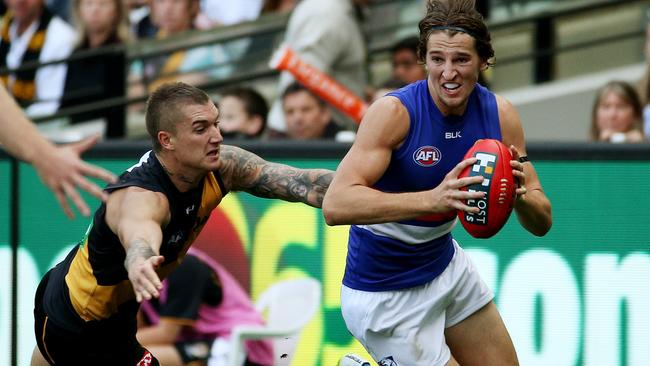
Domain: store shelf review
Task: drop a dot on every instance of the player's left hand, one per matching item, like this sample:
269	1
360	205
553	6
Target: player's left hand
518	172
144	279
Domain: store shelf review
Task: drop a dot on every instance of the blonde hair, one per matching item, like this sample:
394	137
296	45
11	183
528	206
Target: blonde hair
120	27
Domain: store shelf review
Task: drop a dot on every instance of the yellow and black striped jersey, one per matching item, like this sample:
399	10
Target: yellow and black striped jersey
91	287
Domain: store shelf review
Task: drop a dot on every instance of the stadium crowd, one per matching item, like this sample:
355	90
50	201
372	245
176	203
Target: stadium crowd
70	58
94	80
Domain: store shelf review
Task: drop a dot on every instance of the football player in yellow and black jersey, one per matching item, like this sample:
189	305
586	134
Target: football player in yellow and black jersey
85	307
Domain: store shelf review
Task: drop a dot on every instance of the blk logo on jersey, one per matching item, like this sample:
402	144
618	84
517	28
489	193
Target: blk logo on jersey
452	135
427	156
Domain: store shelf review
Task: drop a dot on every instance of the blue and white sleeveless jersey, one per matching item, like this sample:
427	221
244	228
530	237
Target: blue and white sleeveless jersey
397	255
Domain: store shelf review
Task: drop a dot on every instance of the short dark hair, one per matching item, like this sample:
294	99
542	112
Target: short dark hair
406	44
254	103
164	104
455	16
296	87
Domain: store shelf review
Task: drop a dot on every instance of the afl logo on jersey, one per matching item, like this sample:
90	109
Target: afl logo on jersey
427	156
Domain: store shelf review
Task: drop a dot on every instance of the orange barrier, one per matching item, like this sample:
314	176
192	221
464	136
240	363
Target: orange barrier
321	84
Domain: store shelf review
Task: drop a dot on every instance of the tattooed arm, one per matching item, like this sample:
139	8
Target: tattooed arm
244	171
137	216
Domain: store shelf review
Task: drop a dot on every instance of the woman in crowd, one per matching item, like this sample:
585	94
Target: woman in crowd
617	114
101	26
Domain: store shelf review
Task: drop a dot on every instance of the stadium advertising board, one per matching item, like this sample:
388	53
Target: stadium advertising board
577	296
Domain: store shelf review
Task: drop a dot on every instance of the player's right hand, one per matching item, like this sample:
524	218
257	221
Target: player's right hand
447	194
144	279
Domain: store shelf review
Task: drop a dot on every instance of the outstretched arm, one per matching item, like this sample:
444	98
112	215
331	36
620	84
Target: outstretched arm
60	168
244	171
137	216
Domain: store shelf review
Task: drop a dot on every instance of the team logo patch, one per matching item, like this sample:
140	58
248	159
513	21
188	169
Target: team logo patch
427	156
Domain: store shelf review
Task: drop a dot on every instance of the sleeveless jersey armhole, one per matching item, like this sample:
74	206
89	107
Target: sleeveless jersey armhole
400	151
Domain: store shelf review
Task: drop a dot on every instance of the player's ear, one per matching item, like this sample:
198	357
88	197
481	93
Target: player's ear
166	140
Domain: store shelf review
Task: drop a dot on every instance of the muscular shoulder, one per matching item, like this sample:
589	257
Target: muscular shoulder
386	122
136	201
507	112
511	130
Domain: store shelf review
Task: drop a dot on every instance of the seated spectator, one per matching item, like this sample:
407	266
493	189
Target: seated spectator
306	115
187	65
31	33
242	113
616	114
198	307
99	77
328	36
406	66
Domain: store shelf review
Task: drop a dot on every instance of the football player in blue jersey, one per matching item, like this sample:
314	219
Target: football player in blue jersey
410	294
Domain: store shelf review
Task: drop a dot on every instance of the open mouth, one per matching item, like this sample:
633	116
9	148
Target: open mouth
450	87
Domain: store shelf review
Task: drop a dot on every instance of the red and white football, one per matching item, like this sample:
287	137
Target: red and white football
498	184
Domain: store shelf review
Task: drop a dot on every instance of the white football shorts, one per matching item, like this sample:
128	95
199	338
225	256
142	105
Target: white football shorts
406	327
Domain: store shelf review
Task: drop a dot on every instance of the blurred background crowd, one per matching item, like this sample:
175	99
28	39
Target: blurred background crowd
80	67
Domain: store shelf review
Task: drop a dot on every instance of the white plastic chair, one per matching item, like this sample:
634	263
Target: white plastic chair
289	305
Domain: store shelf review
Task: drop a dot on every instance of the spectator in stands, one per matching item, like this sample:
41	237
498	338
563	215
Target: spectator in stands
327	35
174	17
307	116
190	65
100	23
198	307
242	113
31	33
616	114
406	66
